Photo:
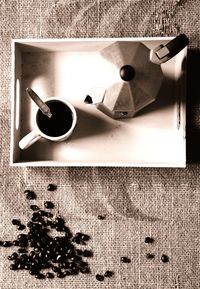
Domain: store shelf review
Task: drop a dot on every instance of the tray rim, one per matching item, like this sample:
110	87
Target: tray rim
54	163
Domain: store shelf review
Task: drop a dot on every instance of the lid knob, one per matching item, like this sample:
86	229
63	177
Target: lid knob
127	72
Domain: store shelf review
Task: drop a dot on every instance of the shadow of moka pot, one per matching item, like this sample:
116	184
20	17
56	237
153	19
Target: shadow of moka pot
140	73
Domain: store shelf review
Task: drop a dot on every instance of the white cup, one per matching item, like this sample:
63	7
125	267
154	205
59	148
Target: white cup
37	132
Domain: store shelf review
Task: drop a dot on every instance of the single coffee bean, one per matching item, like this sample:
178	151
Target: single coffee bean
82	264
164	258
59	258
22	237
20	266
87	253
67	273
21	227
75	258
79	252
49	215
108	273
1	243
13	267
85	270
55	269
20	250
33	272
74	271
7	244
39	276
99	277
42	213
30	195
49	275
34	207
60	275
59	228
101	217
49	205
150	256
51	187
84	237
68	235
149	240
76	240
125	260
14	256
16	222
15	243
63	265
59	221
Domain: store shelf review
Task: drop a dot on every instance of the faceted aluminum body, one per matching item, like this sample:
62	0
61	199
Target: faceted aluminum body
124	98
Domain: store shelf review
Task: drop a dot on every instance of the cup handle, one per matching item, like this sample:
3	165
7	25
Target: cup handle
29	139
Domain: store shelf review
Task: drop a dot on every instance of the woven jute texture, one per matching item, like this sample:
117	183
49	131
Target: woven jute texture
137	202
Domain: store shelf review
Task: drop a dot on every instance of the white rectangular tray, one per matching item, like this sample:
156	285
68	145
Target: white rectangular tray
68	68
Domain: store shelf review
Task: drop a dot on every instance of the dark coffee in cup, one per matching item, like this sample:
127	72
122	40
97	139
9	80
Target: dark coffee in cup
60	122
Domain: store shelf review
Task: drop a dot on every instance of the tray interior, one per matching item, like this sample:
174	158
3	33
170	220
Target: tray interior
69	69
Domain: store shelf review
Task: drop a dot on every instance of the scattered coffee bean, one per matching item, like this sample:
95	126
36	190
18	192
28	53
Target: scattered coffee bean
108	273
85	270
55	269
49	215
84	237
34	207
15	243
149	240
49	275
51	187
87	253
16	222
67	273
101	217
30	195
125	260
99	277
21	227
13	256
21	250
32	272
164	258
60	275
49	205
79	252
150	256
13	267
39	276
7	244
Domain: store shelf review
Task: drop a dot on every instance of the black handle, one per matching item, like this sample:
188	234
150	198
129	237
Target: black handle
163	53
177	44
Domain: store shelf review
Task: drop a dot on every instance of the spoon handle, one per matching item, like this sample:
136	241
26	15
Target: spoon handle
42	106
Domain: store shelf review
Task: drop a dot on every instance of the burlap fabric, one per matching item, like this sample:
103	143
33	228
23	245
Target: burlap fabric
163	203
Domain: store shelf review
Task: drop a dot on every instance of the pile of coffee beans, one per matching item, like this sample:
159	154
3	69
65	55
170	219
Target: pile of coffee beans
48	249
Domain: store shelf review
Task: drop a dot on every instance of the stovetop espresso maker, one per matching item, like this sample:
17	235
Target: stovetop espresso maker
140	73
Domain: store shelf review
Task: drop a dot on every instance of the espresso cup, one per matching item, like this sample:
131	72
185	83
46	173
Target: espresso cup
57	128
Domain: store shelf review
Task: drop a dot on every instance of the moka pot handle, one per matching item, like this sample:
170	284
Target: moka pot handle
163	53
